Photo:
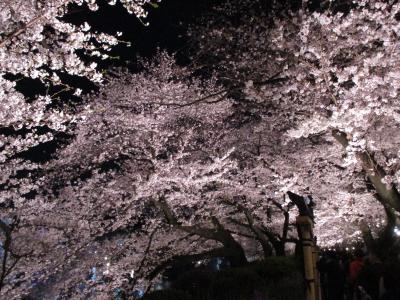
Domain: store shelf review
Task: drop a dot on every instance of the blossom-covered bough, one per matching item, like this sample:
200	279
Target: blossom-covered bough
36	43
346	72
165	167
319	78
141	141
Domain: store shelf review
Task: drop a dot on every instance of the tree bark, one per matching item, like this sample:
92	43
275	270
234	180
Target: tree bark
388	197
218	252
6	246
263	235
374	172
233	249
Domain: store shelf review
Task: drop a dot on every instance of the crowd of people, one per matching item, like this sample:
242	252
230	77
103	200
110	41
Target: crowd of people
357	276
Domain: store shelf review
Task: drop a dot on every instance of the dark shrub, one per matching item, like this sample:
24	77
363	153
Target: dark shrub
167	295
277	278
287	288
238	283
391	278
276	267
196	283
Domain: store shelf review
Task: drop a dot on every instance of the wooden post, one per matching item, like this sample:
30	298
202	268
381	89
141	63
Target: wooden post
305	230
305	225
317	277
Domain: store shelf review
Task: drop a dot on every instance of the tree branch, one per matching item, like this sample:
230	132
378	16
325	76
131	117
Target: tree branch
197	100
25	26
146	252
219	233
254	228
188	258
7	230
374	172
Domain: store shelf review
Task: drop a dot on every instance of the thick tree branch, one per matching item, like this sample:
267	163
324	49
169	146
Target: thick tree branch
20	30
188	259
241	234
285	228
8	252
208	233
6	247
260	236
25	26
218	233
374	172
146	252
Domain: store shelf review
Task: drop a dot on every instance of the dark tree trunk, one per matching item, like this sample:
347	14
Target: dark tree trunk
236	256
280	249
232	249
375	174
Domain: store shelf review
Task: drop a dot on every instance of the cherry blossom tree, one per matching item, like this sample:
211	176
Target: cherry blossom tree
151	179
36	43
338	55
167	167
143	142
143	170
294	75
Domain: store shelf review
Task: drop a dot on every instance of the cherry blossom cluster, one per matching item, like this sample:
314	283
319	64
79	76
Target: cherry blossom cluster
161	161
146	136
36	43
305	75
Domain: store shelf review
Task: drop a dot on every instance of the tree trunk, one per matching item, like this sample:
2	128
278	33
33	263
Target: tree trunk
267	249
375	174
232	248
280	249
384	246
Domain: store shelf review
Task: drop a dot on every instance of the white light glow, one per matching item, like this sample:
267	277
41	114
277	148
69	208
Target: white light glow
397	231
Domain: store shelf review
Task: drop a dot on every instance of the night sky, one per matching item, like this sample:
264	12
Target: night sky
166	29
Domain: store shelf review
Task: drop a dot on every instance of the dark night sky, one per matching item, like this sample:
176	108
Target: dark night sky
167	26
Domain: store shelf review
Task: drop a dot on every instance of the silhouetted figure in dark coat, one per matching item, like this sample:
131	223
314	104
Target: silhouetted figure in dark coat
333	276
370	276
355	267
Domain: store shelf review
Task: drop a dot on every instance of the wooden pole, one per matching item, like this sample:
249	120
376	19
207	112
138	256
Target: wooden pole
305	225
317	278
